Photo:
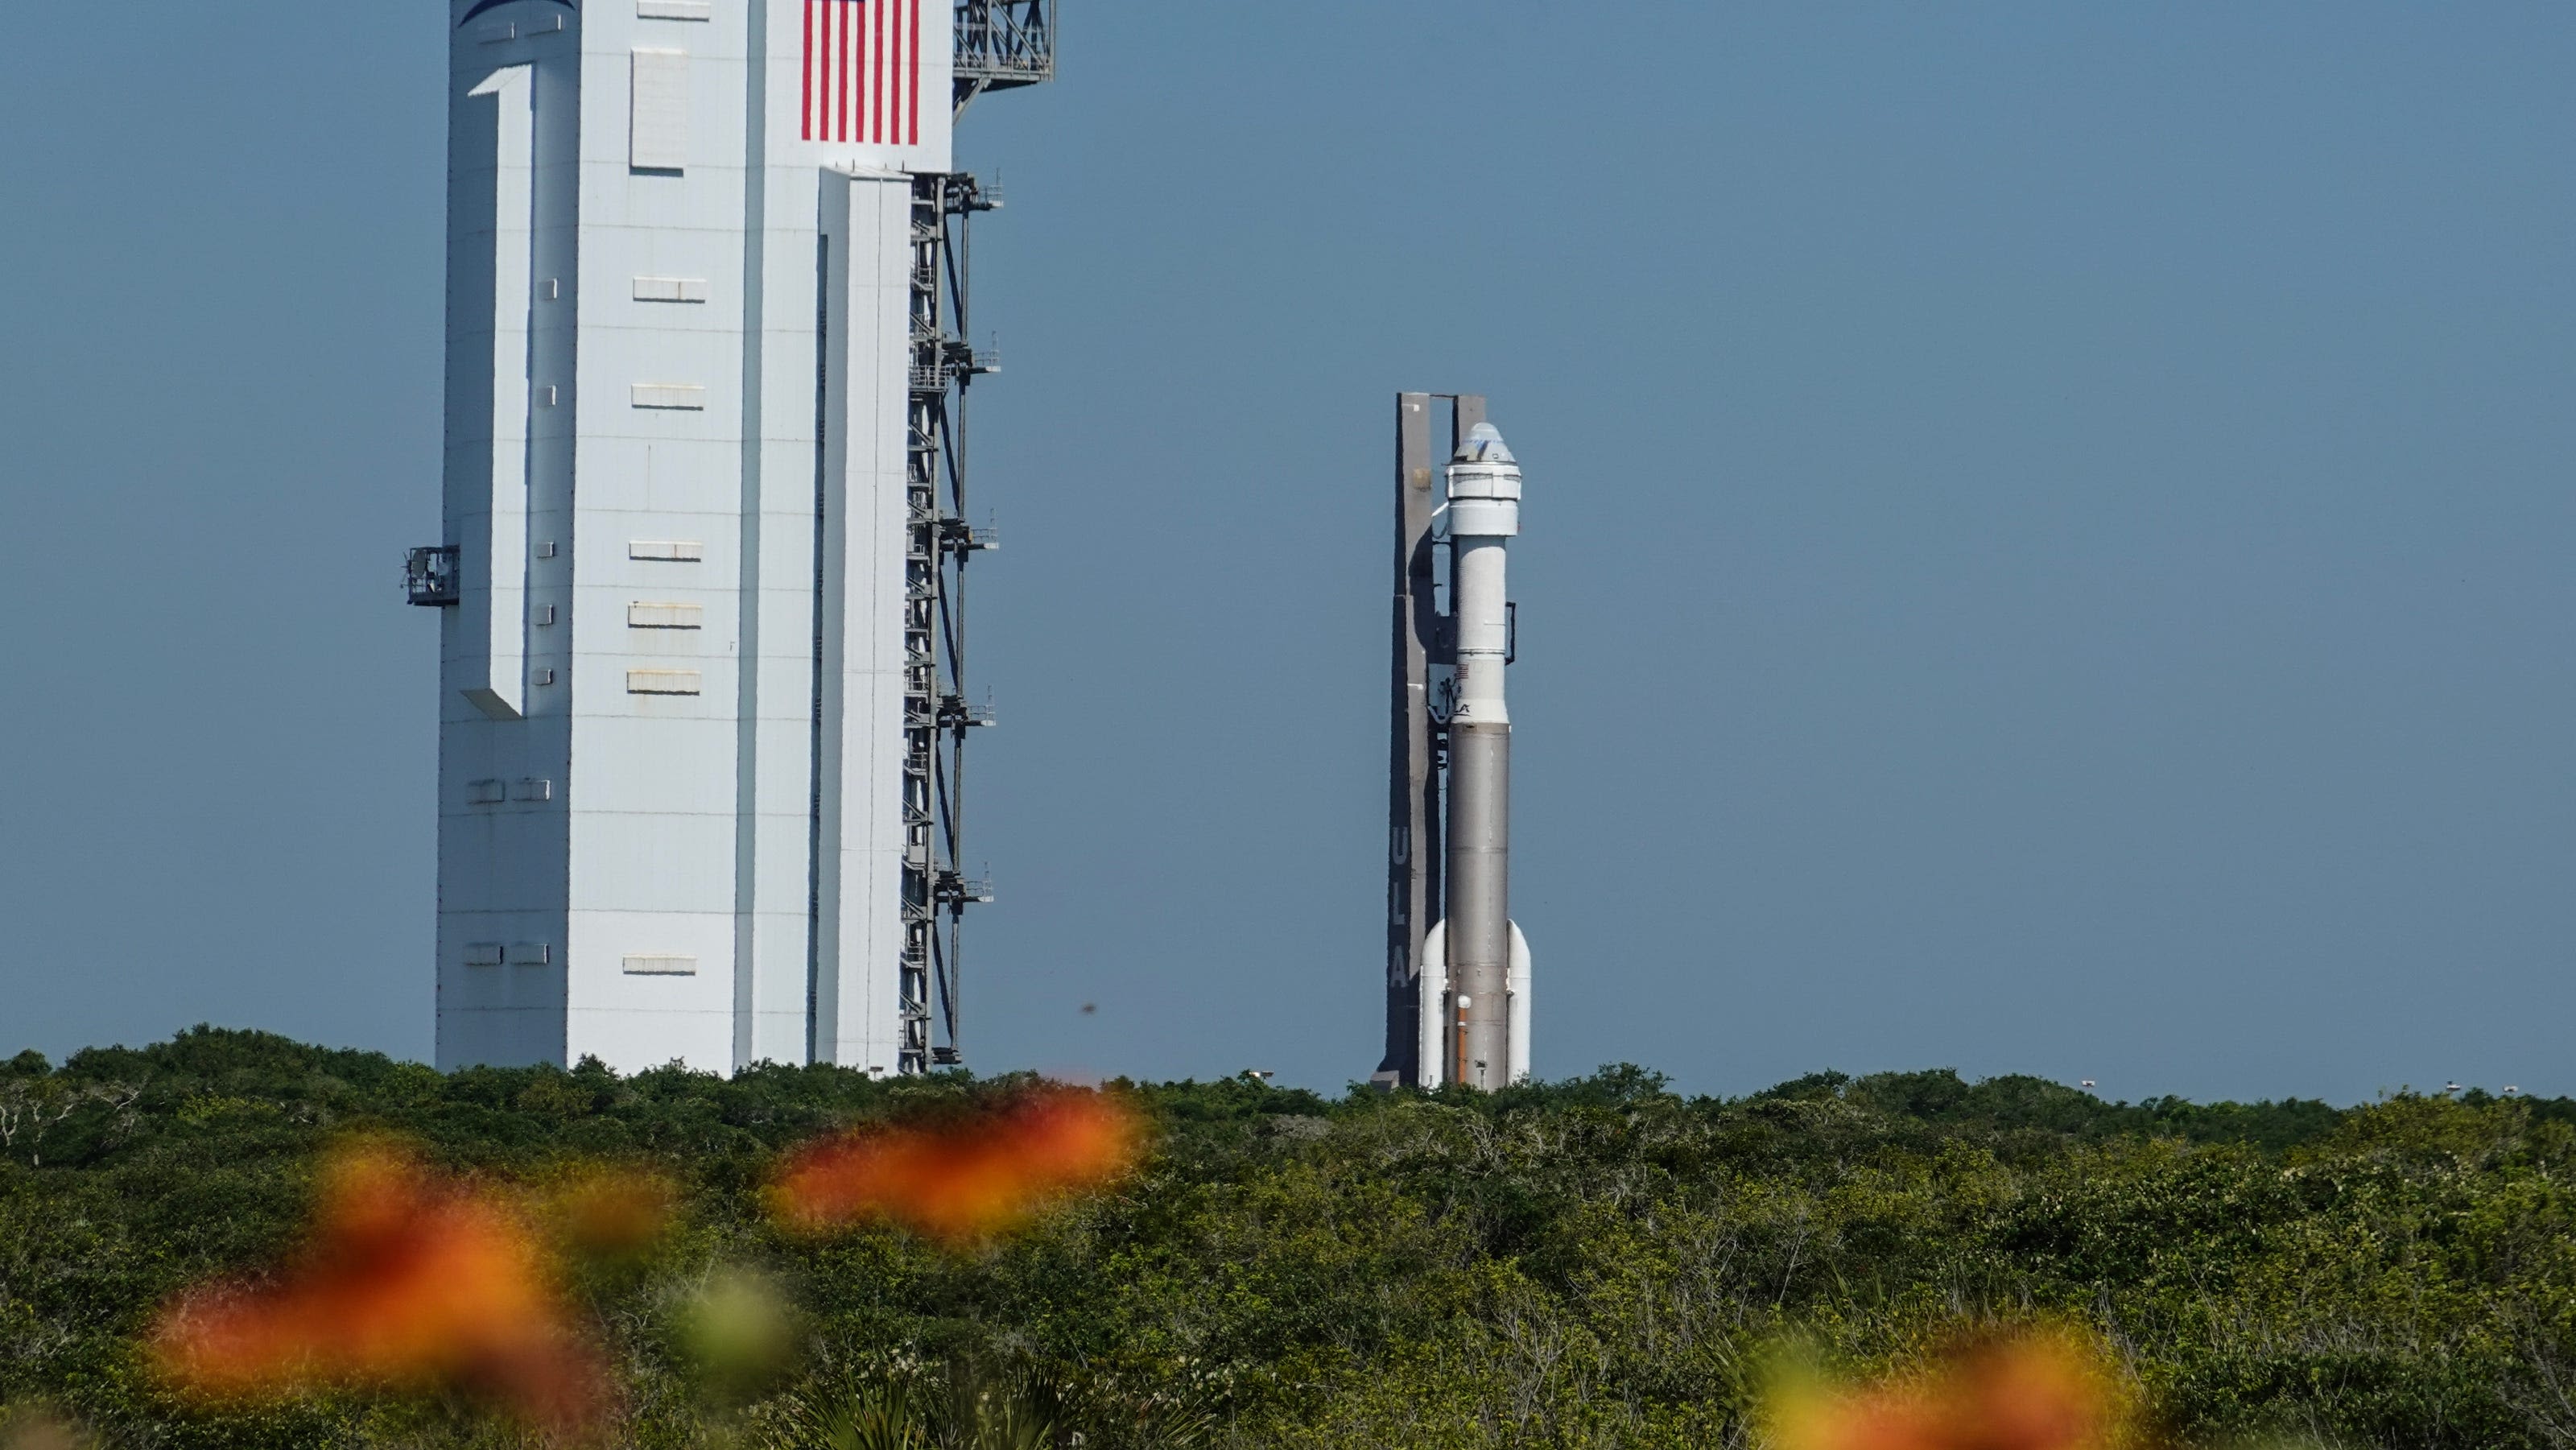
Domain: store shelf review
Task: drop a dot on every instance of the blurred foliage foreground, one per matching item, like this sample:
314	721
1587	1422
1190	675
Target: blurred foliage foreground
1594	1262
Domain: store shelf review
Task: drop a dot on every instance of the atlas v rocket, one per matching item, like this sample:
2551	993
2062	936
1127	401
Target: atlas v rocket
1458	967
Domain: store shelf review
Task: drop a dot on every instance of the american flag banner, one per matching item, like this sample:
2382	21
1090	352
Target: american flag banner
863	71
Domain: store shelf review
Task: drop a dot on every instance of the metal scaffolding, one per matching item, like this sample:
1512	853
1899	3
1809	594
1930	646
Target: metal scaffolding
1002	45
938	715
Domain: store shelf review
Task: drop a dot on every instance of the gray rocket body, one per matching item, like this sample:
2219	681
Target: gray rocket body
1478	938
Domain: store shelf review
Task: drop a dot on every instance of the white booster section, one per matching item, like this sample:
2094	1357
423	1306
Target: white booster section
1476	978
680	257
1440	1029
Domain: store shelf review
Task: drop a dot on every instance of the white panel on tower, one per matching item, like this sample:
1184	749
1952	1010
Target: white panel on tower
670	289
665	614
658	126
664	682
867	229
685	396
505	103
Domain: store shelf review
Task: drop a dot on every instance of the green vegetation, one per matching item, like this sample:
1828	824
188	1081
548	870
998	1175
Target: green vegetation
1594	1262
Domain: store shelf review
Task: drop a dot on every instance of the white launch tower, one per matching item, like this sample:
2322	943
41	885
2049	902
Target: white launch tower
702	704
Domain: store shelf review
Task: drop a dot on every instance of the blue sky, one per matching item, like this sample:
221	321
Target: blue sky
2048	543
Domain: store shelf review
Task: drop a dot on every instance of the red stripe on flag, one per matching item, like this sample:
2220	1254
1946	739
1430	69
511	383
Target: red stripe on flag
912	80
876	77
805	112
842	63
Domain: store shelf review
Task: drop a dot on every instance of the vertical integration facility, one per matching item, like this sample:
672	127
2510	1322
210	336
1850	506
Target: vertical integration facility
1457	966
703	697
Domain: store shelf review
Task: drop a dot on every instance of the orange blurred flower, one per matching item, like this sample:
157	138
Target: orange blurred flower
2042	1390
404	1284
964	1180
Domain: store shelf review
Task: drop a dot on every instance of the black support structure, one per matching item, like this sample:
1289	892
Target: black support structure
999	45
939	714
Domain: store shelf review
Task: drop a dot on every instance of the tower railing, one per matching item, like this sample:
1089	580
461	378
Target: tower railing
1002	45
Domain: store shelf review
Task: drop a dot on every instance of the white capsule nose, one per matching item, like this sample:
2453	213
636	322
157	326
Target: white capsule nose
1484	445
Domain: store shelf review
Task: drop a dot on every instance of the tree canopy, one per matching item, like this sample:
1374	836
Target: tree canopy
1598	1261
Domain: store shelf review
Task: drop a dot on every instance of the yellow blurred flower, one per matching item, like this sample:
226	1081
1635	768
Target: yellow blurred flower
2030	1390
613	1212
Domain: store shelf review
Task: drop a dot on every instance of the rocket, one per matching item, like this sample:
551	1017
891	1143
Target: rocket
1478	950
